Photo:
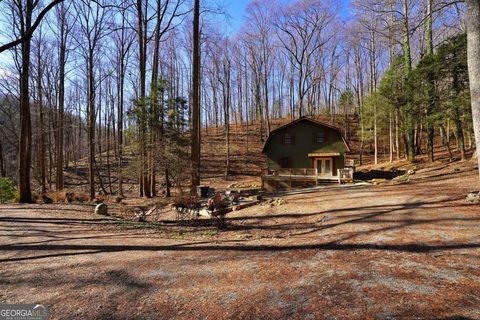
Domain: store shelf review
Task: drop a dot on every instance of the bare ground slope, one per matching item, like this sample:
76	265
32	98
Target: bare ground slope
394	251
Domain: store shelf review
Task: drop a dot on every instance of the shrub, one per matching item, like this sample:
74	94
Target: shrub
69	195
7	190
35	196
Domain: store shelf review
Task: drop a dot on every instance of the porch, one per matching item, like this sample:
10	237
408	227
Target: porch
289	177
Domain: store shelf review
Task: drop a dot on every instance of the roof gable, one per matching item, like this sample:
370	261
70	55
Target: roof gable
308	119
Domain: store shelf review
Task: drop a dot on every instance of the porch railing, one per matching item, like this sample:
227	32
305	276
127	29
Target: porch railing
294	172
286	176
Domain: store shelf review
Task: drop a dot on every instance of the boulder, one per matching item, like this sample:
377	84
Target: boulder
403	178
101	209
377	181
205	213
473	197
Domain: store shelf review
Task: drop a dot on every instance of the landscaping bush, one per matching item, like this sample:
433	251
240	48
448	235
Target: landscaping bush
7	190
69	196
35	196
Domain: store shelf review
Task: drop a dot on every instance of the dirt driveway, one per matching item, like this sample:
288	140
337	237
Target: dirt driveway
395	251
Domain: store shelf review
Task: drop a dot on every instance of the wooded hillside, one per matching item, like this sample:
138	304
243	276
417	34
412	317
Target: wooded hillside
129	94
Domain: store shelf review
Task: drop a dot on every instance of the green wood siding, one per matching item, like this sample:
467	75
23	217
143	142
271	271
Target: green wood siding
304	143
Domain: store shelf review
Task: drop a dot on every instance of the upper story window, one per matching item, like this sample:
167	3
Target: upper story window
288	138
319	137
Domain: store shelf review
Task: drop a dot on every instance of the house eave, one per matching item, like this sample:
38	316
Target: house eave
323	154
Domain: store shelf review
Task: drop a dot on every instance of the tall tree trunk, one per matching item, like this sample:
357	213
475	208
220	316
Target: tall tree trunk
41	128
407	70
362	132
59	183
154	134
226	114
91	124
240	92
429	31
390	136
265	88
195	143
110	130
397	136
227	145
142	57
3	172
473	54
431	85
64	29
459	132
122	50
50	153
120	127
25	143
300	92
446	142
373	87
99	113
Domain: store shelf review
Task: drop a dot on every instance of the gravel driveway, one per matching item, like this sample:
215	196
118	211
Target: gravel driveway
394	251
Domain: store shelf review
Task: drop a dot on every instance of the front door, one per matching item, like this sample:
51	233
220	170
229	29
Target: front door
324	166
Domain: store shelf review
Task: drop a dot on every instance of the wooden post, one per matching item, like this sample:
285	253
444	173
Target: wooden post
290	182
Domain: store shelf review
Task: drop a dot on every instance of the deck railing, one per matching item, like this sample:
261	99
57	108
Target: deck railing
287	176
287	172
274	178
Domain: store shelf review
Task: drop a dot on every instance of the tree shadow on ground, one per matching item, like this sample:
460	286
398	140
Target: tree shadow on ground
354	215
62	250
378	174
62	221
52	207
364	214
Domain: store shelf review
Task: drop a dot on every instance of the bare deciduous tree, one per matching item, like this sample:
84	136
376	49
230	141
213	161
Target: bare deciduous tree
303	33
473	38
195	113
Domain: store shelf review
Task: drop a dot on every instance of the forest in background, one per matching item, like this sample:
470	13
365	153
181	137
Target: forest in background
110	84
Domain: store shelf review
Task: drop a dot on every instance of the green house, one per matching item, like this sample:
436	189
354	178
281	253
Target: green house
309	144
